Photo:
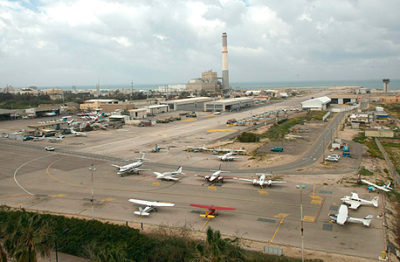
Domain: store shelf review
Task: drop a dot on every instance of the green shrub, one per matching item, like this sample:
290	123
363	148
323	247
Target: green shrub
248	137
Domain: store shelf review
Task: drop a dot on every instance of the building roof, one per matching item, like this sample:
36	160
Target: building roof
233	100
6	111
157	106
101	100
188	100
323	100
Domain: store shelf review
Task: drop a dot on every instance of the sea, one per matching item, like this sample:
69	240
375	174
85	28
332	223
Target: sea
370	84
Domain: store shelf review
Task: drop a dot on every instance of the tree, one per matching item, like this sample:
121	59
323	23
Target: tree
26	235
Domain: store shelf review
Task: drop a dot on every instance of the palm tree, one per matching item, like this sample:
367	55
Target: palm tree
28	235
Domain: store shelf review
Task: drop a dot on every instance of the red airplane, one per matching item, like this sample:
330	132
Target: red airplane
211	211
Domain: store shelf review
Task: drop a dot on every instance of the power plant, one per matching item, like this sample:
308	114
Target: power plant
225	70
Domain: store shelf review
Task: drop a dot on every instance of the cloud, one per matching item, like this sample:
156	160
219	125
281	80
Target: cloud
70	42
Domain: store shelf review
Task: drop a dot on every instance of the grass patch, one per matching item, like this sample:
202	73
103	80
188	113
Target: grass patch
365	172
317	115
373	149
280	129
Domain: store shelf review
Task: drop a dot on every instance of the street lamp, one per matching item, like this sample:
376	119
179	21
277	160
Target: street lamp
65	231
92	169
301	220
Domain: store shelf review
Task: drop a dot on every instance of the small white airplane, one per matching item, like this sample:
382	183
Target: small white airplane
75	133
132	167
373	187
149	206
228	157
39	138
261	181
199	149
234	151
215	177
343	216
354	201
169	175
56	139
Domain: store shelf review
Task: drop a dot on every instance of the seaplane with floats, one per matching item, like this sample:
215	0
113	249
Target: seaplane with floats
343	216
262	180
132	167
79	134
215	176
148	206
211	211
354	201
169	175
228	157
373	187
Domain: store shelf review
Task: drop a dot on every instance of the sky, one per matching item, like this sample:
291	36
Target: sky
81	42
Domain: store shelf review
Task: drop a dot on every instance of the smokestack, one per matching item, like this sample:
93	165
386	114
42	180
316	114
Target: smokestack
225	72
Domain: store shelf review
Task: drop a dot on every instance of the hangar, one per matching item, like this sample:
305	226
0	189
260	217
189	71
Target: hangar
228	104
187	104
319	103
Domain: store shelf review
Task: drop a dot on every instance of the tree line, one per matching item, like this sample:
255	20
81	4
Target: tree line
26	235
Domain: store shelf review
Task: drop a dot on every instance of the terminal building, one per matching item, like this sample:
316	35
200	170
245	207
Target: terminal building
187	104
233	104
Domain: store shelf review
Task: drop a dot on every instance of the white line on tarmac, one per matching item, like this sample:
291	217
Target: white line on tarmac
21	166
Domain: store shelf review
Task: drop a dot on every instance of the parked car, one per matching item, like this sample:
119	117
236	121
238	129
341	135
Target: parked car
49	148
333	158
277	149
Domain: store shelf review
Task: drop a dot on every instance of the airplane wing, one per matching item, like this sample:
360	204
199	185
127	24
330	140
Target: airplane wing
354	204
158	174
171	178
212	207
243	179
354	195
342	215
116	166
278	182
151	203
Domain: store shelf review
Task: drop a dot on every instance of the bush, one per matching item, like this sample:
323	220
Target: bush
365	172
248	137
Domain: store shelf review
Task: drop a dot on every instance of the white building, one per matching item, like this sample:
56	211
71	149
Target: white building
232	104
319	103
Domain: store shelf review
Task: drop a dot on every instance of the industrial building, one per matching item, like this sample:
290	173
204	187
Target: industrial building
319	103
187	104
344	99
139	113
93	104
208	82
157	109
228	104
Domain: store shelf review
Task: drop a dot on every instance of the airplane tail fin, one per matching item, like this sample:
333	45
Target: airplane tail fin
367	220
179	171
375	201
389	185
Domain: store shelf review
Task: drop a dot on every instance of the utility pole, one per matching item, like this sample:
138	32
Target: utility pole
132	90
92	169
301	220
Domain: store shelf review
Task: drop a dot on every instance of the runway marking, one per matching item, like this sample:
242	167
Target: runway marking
210	115
282	216
163	135
212	188
316	200
189	120
208	219
262	192
308	219
109	199
58	195
155	183
221	130
21	166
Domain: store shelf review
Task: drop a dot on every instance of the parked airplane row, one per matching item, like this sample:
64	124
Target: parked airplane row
215	177
354	202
